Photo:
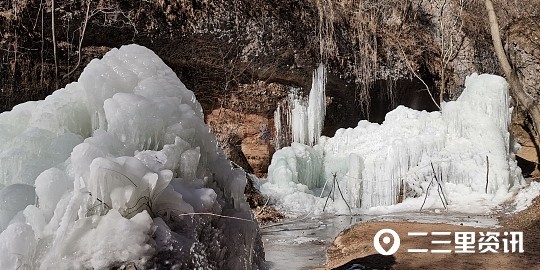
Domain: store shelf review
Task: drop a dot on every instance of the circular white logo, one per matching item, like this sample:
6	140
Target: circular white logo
386	240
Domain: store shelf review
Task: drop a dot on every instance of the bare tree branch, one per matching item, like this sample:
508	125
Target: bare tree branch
516	87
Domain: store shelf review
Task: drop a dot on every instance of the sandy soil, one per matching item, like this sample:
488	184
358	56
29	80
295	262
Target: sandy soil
354	246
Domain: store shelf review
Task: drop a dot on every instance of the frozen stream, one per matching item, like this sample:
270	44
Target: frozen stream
302	244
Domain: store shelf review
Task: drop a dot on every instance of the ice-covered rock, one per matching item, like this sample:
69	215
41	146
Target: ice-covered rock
124	144
17	244
298	164
51	185
120	240
380	165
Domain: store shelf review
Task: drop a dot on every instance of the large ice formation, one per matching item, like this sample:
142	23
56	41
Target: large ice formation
380	165
111	168
301	120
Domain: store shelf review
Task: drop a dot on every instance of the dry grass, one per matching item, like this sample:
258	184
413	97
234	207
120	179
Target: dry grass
267	214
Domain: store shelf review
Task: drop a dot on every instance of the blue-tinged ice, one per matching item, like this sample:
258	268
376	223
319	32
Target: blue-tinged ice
381	165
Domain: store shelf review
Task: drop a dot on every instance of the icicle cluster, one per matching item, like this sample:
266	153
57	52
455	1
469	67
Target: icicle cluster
278	127
316	109
302	118
377	164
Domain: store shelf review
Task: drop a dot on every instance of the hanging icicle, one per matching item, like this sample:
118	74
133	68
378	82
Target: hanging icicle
302	118
317	105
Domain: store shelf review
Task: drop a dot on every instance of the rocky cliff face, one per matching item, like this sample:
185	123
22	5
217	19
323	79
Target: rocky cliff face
242	57
524	52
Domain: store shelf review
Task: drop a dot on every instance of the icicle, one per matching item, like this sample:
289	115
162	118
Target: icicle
306	115
317	105
278	128
410	147
299	120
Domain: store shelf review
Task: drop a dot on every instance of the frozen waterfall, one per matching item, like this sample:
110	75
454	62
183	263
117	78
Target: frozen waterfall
316	109
91	172
301	120
381	165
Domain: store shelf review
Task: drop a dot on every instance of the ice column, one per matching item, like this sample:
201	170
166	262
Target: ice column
304	118
278	127
317	105
283	119
299	119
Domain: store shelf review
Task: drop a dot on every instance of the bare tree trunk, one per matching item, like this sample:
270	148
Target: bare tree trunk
516	88
81	38
54	45
443	83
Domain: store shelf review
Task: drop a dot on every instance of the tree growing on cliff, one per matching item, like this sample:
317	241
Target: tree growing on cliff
450	38
529	104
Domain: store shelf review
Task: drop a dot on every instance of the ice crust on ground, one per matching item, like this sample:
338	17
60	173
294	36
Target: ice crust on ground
376	165
525	197
91	174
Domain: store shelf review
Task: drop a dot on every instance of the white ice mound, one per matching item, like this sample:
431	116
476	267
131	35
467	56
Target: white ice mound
379	165
124	144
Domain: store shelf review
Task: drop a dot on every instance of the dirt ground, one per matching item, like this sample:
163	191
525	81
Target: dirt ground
353	248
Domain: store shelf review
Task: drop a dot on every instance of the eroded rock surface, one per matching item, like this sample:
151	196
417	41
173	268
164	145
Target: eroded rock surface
243	56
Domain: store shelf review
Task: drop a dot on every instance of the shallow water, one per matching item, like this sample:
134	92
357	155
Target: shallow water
301	243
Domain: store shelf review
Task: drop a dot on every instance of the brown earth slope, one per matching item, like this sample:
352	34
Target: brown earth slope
355	246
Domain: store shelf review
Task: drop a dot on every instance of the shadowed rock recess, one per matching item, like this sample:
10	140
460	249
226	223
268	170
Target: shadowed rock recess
242	57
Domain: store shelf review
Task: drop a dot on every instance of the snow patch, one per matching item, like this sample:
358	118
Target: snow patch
526	196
